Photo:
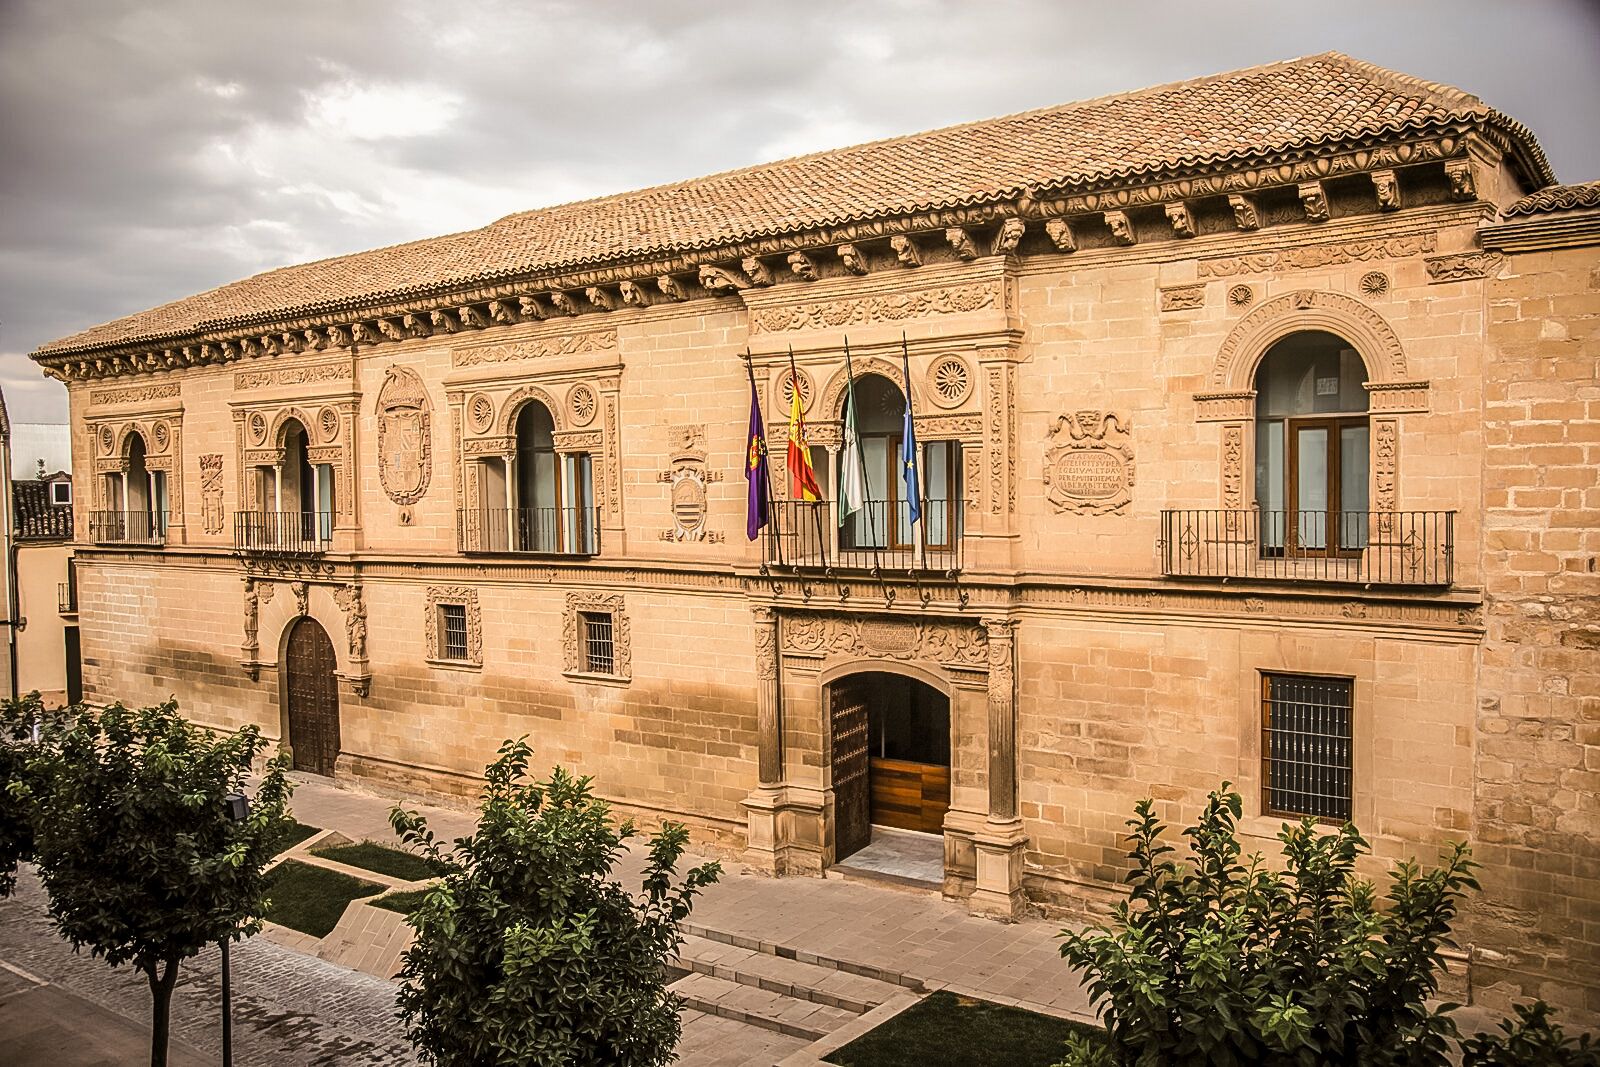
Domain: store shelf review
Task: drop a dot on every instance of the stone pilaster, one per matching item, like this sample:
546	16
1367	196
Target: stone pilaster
999	845
763	807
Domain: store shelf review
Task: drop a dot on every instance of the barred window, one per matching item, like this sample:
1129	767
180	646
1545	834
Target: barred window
453	630
1305	745
599	651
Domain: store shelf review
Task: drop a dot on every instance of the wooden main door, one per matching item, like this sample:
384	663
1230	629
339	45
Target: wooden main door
852	787
313	696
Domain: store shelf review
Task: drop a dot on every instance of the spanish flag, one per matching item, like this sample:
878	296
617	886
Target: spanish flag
802	475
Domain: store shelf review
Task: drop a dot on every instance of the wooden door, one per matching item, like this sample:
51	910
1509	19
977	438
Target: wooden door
74	650
852	794
313	693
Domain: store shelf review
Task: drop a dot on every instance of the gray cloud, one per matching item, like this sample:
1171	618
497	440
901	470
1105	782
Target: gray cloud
151	151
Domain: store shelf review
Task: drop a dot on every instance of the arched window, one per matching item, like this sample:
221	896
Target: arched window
295	499
550	494
885	521
1311	446
138	499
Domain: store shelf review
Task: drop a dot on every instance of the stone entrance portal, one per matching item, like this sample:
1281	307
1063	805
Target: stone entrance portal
312	693
891	757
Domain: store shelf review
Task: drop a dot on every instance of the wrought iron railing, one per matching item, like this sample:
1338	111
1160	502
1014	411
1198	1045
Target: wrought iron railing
127	528
531	531
1362	547
879	537
295	533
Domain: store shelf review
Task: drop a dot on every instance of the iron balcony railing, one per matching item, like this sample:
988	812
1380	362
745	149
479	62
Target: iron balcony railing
879	537
127	528
1359	547
568	531
294	533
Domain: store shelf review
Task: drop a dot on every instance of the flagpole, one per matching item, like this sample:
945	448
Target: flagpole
794	385
776	530
855	425
911	414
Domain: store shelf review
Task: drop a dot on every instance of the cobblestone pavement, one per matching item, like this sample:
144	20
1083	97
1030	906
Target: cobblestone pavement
289	1009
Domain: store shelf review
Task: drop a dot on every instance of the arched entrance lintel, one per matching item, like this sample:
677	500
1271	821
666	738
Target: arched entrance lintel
926	672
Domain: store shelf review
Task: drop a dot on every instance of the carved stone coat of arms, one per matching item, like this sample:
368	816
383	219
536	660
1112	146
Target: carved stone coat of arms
1089	468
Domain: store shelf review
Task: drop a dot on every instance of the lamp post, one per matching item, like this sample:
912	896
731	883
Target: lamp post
237	806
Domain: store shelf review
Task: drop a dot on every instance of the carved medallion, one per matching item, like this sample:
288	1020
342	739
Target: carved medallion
688	478
582	403
162	434
1089	470
212	515
1241	296
786	382
258	428
405	441
951	381
1374	283
480	413
328	424
108	440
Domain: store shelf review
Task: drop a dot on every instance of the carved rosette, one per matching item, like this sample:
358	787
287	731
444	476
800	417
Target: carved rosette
1089	469
949	381
405	437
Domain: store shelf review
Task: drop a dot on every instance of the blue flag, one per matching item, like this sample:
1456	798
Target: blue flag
908	447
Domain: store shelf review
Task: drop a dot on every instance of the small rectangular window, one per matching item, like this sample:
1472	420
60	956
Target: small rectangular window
1305	745
599	652
60	493
453	630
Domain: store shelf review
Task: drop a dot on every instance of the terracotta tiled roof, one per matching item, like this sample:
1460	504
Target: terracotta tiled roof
1186	127
1557	198
37	518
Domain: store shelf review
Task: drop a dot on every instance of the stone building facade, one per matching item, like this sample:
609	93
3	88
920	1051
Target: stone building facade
1242	461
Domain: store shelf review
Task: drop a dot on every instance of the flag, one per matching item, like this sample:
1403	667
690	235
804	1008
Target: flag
802	475
852	472
908	445
755	470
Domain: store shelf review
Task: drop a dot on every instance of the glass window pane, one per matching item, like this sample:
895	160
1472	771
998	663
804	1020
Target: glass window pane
1270	481
1311	484
936	492
1353	486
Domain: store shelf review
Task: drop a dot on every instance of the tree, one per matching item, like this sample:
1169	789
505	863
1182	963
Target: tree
27	733
1223	962
528	952
136	849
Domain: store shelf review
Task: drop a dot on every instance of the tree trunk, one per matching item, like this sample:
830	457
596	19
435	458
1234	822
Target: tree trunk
161	1009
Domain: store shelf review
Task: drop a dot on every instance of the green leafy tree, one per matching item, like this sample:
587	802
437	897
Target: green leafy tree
1534	1040
1223	961
136	849
528	952
28	732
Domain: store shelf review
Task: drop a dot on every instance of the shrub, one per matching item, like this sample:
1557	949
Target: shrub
1219	961
27	734
528	952
1534	1040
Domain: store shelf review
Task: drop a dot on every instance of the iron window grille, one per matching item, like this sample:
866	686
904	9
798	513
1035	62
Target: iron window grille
453	627
599	648
1305	746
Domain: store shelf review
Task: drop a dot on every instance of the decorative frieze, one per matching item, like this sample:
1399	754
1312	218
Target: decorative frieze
1089	468
1183	297
134	394
1462	267
886	307
1385	473
296	374
1396	398
1310	256
1220	407
952	643
564	344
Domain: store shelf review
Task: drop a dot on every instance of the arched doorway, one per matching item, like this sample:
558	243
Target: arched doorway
312	693
891	757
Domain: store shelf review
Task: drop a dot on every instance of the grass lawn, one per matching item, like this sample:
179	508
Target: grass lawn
311	899
946	1030
371	856
402	901
297	832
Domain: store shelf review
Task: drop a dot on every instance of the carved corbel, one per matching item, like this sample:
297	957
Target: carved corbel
391	329
530	308
1060	234
758	271
416	326
802	267
1314	200
171	358
1009	237
1245	214
471	317
1462	184
905	251
563	302
230	351
961	243
248	345
441	320
1182	220
208	353
363	334
314	342
633	294
1121	228
1387	186
720	281
600	298
671	288
339	336
853	260
502	313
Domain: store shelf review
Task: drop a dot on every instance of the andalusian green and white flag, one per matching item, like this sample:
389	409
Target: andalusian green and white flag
852	473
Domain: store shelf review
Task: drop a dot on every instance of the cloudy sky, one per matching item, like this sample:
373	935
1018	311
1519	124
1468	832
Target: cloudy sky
151	149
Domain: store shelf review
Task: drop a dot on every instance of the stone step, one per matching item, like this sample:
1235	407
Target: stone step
791	952
760	1007
785	975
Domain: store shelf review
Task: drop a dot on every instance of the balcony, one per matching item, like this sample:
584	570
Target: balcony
283	533
1392	548
878	539
530	531
127	528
